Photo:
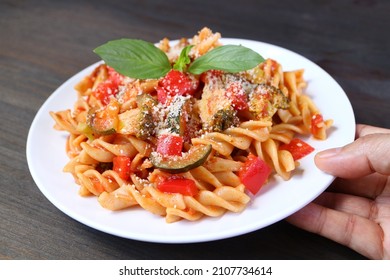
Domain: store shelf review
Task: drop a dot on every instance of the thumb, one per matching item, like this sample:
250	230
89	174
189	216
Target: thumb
366	155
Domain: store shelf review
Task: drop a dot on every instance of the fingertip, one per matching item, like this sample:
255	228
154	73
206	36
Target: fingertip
328	154
327	160
362	157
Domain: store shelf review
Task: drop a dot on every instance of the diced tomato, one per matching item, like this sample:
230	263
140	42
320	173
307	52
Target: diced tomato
298	148
121	165
183	186
162	95
114	76
254	173
316	122
177	83
105	90
236	93
170	145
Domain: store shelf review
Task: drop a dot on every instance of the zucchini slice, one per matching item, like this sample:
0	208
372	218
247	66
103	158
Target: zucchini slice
223	119
195	157
178	115
146	120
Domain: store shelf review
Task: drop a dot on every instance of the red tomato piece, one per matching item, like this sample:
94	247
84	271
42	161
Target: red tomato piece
170	145
121	165
105	90
183	186
236	93
114	76
316	122
254	173
178	83
162	95
298	148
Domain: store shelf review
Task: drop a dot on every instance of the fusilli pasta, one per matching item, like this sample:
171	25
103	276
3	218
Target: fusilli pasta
119	163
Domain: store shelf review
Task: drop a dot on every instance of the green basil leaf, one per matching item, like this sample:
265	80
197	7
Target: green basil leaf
135	58
229	58
183	60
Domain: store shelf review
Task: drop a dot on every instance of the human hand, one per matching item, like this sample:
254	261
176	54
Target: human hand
355	210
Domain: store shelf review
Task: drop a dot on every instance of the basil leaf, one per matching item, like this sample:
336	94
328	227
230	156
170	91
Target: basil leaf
183	60
229	58
135	58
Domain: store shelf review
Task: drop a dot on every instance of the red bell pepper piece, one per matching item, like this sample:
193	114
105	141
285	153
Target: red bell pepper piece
170	145
254	173
183	186
298	148
121	165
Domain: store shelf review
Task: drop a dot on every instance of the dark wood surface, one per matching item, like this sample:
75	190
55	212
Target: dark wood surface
43	43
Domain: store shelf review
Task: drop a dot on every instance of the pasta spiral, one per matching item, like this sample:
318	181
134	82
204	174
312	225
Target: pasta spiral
227	124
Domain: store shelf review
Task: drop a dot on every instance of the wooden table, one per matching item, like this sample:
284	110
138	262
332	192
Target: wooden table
43	43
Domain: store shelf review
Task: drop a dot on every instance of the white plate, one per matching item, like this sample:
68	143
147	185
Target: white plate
46	158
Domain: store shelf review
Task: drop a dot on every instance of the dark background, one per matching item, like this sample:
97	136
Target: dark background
43	43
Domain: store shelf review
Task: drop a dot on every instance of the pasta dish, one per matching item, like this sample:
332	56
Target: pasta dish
197	138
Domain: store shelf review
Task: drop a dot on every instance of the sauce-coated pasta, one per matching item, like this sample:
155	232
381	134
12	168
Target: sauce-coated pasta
185	146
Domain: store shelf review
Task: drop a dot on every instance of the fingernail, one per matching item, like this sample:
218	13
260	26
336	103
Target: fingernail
329	153
327	160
